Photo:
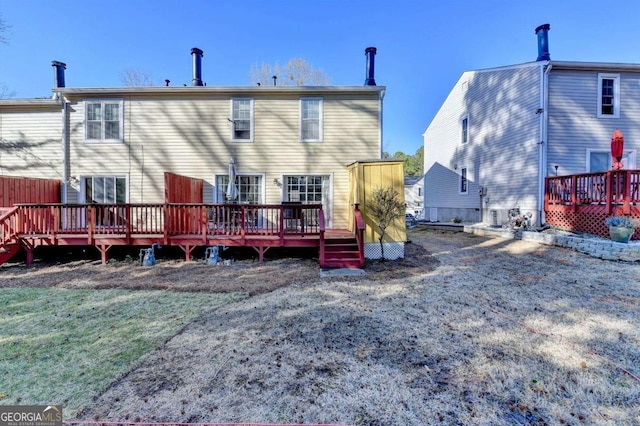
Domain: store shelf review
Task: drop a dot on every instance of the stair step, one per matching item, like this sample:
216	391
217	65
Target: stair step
342	263
7	252
340	254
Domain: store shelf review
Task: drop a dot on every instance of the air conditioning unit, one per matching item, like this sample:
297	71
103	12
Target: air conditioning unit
493	218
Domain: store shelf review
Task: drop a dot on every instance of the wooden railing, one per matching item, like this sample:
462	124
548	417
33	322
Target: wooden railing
168	219
359	228
582	202
619	188
8	226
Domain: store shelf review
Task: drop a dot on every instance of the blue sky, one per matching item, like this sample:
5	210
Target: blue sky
423	46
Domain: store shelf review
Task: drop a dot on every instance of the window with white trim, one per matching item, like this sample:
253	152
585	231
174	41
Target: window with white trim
601	161
104	121
242	119
464	129
105	189
311	119
608	95
464	188
249	188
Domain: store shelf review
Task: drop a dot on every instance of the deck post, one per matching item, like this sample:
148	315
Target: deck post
609	179
261	251
187	248
103	248
626	202
28	247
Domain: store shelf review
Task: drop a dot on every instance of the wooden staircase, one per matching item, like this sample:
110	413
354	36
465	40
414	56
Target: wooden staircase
9	245
8	251
343	249
342	252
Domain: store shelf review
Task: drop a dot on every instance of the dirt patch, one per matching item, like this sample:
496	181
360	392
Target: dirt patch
244	274
465	330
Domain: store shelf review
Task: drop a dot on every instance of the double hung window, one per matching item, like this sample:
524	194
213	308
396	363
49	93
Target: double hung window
464	129
311	119
463	181
242	119
103	121
608	95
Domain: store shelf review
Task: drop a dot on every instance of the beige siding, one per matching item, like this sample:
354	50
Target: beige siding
191	135
30	142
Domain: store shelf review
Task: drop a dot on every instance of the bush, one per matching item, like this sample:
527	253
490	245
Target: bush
622	221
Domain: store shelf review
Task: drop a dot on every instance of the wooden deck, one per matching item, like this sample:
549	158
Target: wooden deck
187	226
581	202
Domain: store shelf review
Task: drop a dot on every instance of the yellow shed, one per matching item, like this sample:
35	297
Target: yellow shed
364	178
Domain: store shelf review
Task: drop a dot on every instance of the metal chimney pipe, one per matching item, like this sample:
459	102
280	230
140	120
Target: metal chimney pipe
370	53
58	73
197	54
543	42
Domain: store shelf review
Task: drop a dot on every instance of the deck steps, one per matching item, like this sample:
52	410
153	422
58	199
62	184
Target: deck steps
8	251
341	252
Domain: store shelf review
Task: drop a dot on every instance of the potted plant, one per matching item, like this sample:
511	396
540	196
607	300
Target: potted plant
621	227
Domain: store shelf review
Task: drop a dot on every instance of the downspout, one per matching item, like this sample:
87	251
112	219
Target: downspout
382	93
65	151
543	143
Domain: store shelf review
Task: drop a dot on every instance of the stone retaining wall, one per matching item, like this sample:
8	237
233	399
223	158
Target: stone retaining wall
600	248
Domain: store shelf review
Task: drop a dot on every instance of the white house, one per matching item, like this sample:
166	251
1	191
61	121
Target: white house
501	131
413	195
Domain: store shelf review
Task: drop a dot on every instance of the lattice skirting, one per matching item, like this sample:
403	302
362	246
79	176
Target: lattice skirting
590	220
392	251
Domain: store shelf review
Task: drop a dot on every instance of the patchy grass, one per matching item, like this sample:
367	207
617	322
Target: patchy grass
65	346
464	330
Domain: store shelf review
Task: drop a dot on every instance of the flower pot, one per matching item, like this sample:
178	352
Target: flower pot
620	234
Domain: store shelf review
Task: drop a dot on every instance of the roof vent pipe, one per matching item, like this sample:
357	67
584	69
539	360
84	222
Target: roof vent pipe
197	54
543	42
58	73
370	53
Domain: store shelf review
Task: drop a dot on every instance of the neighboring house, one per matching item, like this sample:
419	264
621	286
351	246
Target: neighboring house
113	145
413	195
501	131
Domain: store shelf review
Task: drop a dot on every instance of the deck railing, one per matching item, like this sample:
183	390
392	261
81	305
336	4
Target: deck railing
619	188
581	202
168	219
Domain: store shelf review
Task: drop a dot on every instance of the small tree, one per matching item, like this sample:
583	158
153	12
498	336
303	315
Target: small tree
296	72
385	206
136	77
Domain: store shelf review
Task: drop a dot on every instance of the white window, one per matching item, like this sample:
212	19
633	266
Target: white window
242	119
250	189
105	189
311	119
464	189
103	121
609	95
310	189
464	129
601	161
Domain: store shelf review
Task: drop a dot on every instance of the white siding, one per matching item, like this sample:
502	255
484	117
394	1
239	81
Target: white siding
30	142
502	154
190	135
573	123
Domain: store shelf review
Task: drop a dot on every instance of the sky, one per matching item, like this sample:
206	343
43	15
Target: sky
423	46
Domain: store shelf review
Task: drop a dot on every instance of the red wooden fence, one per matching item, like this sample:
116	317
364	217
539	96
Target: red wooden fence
182	189
23	190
